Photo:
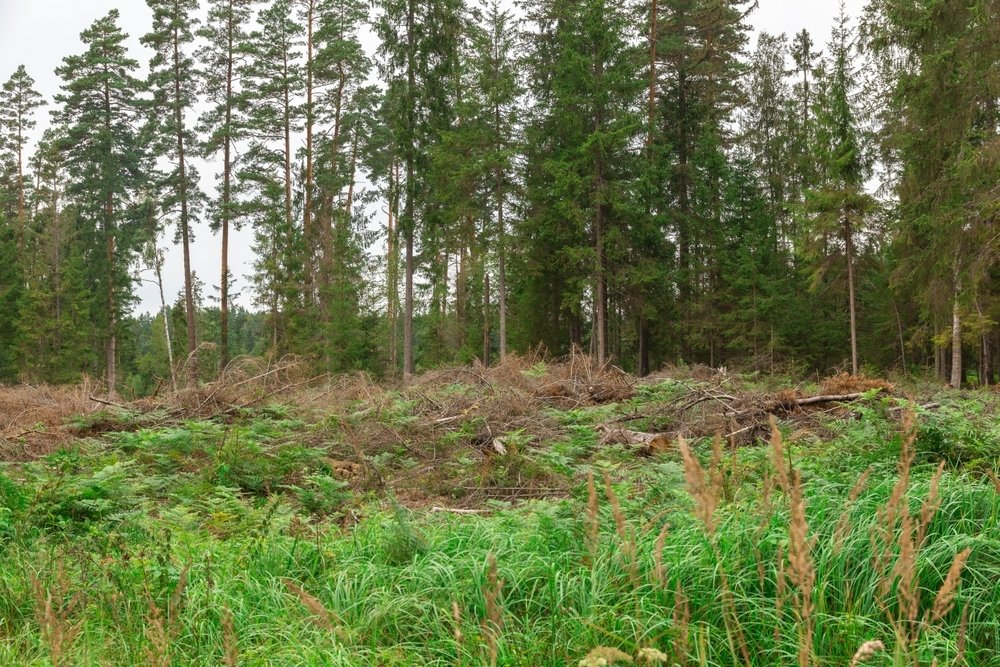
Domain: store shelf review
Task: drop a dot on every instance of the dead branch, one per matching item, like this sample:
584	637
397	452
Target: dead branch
458	511
104	401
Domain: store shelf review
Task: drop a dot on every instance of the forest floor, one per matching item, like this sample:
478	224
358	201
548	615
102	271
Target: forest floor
533	513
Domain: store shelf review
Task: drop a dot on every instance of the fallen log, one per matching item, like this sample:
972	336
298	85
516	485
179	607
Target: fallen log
453	510
790	403
925	406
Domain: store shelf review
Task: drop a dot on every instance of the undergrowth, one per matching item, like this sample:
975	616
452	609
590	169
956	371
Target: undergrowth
271	539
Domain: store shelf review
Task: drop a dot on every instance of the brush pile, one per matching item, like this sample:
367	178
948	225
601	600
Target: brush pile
33	417
247	382
719	405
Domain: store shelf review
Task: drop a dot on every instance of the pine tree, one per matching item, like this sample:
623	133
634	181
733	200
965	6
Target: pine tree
98	116
338	101
273	82
455	228
223	125
402	27
173	79
18	103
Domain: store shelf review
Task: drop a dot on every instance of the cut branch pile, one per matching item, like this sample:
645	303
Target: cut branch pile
740	417
33	417
246	382
575	381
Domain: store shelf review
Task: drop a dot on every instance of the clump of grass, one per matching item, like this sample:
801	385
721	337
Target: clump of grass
492	624
163	626
54	609
230	642
320	614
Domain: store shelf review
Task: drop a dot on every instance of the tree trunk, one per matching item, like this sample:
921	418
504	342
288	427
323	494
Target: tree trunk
601	323
984	361
899	328
956	341
502	280
227	177
501	252
486	319
307	211
408	365
111	346
392	259
158	263
601	306
21	221
849	247
643	346
192	343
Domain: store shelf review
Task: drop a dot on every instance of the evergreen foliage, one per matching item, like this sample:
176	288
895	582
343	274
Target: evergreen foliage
639	180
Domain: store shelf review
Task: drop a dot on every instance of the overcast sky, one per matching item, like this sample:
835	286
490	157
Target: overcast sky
40	33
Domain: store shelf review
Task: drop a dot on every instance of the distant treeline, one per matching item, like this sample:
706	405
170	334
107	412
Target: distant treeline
644	179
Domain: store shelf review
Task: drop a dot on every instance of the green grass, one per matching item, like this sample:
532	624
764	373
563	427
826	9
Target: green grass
117	522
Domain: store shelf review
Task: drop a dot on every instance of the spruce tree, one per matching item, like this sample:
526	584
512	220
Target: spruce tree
99	114
497	78
56	333
840	206
586	125
702	65
273	82
940	154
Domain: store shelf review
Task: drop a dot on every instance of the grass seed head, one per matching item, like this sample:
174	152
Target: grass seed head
605	655
704	489
659	571
652	655
945	599
867	651
230	642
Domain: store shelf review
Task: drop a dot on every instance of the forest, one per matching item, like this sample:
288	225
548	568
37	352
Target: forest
435	182
573	332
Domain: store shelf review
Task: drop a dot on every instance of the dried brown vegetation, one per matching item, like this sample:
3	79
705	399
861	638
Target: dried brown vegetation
33	417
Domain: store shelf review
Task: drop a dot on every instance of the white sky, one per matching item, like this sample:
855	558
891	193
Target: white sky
40	33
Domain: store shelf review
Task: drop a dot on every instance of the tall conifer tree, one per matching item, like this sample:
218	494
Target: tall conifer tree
173	79
223	124
99	116
18	103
